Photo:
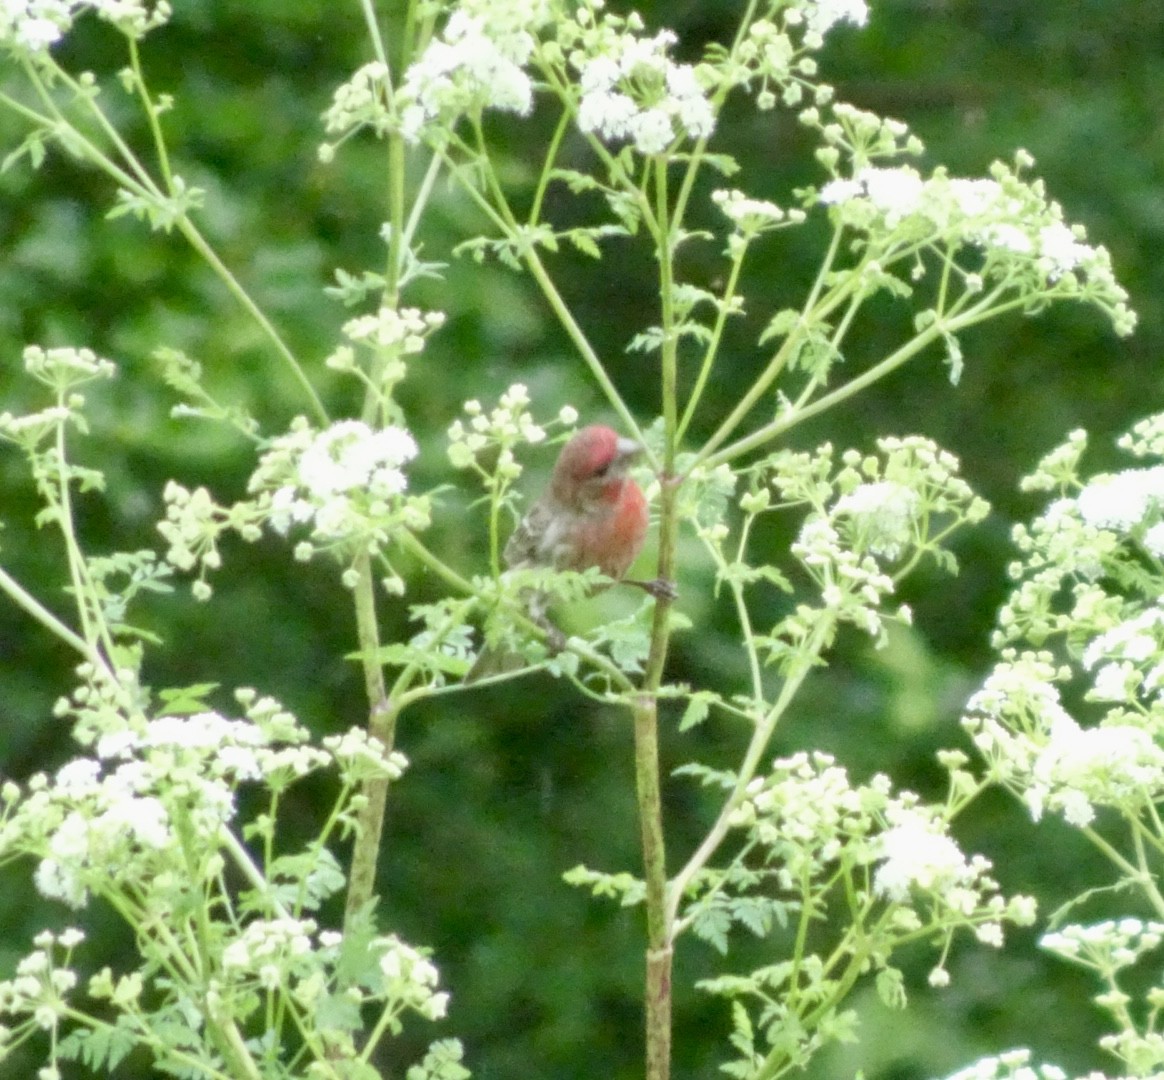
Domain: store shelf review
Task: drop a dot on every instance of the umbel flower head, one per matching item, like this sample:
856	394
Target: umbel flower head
31	27
342	482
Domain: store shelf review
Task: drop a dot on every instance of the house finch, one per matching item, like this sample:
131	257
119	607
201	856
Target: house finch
592	515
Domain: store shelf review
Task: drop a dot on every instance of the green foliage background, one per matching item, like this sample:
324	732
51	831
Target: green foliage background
510	787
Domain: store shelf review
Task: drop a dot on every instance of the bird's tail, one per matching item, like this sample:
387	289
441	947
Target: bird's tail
494	661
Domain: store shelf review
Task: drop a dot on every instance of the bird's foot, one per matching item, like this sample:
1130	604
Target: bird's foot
659	588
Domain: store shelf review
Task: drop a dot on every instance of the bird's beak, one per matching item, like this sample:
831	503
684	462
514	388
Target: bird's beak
628	450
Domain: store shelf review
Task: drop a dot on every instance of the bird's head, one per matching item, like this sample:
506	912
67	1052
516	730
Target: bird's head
592	467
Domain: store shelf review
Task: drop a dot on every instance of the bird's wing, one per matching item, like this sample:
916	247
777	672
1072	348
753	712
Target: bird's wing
527	546
538	539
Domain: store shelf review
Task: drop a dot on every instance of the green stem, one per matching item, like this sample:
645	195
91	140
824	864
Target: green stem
761	737
535	209
199	243
246	866
814	308
382	725
94	628
502	216
141	184
660	950
712	350
932	333
369	10
23	599
152	114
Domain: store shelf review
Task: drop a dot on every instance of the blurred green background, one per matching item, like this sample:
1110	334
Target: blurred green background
512	786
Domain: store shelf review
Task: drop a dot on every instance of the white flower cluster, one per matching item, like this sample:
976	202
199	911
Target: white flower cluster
878	508
777	52
1128	659
192	526
1009	219
916	852
820	16
477	61
32	27
1121	501
113	816
390	335
1089	574
886	513
269	949
852	586
346	483
1099	532
808	817
631	90
62	370
362	757
1012	1065
410	977
807	812
507	425
36	994
1035	747
65	367
1016	1065
346	457
294	954
360	102
752	217
1105	946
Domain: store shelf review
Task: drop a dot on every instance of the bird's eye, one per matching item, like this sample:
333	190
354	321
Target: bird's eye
602	470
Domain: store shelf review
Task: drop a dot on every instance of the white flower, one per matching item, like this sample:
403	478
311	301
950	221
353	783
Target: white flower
894	193
884	513
1137	639
1120	501
1080	768
349	455
822	15
361	100
33	26
634	91
477	61
344	480
915	853
608	113
747	214
650	130
1061	249
840	191
1154	540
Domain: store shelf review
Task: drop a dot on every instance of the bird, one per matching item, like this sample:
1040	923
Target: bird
592	515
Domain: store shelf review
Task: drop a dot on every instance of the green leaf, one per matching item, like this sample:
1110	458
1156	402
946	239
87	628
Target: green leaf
697	710
711	924
101	1049
186	700
442	1062
626	888
891	988
400	654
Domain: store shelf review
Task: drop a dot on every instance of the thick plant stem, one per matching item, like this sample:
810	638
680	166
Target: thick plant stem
646	720
658	972
382	726
370	821
657	1000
